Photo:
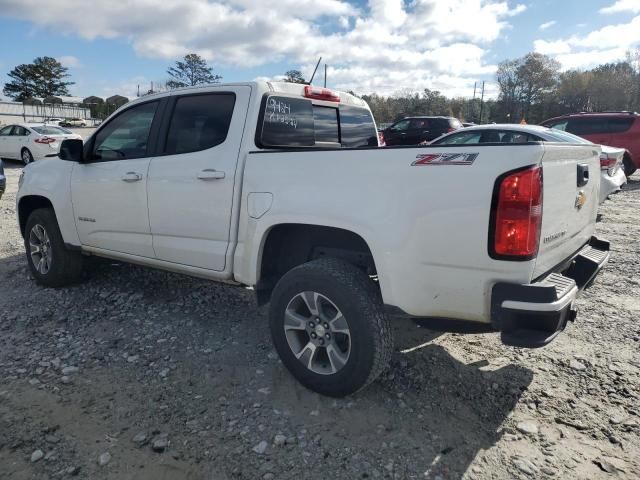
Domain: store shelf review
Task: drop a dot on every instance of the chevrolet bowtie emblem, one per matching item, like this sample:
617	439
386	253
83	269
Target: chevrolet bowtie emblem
581	199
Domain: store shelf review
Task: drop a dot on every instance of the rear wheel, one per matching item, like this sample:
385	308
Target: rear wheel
26	156
328	325
51	263
629	167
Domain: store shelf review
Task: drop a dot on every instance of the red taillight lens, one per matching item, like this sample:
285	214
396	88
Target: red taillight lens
451	129
607	162
45	140
319	93
518	214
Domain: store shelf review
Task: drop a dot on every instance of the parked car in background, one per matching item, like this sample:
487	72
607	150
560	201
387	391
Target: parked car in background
53	120
616	129
73	122
612	175
3	179
32	141
417	130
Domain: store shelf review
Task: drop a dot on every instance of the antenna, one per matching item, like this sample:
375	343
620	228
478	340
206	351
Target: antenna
314	71
325	75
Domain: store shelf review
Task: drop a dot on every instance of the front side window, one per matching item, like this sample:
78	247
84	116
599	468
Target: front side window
419	124
587	126
559	125
126	136
199	122
400	126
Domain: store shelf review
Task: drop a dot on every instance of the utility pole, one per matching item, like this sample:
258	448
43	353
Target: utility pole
473	103
482	102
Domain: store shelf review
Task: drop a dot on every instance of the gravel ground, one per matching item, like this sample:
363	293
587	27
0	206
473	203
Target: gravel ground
142	374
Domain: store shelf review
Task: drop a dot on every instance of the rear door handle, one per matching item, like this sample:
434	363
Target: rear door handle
131	177
210	174
583	174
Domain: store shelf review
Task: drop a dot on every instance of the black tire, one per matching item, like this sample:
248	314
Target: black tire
629	167
26	156
64	266
357	297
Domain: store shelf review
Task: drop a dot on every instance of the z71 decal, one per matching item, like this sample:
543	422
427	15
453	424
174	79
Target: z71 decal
444	159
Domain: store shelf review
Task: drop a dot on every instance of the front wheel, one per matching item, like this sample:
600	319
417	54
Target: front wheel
50	262
328	325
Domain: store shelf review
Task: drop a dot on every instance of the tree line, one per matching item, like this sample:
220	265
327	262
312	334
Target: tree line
531	88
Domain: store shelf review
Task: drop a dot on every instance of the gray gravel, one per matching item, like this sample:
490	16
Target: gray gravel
172	377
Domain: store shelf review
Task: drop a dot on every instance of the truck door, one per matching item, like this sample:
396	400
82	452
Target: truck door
109	189
191	184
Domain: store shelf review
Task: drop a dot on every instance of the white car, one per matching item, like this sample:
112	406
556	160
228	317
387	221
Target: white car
282	187
32	141
73	122
612	175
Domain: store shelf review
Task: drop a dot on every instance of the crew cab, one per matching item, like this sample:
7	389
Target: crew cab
282	187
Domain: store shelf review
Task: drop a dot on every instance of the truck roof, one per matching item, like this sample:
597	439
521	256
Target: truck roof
262	87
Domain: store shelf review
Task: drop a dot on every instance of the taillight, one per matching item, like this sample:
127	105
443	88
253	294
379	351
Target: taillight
517	215
45	140
381	142
319	93
607	162
451	129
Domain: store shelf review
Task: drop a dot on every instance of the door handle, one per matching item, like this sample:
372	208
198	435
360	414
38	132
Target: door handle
210	174
583	174
131	177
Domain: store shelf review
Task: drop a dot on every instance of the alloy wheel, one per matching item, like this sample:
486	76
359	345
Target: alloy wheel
317	333
40	249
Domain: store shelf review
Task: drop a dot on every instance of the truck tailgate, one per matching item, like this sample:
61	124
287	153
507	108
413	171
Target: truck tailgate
571	185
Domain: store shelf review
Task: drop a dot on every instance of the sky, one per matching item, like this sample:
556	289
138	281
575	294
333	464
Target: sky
381	46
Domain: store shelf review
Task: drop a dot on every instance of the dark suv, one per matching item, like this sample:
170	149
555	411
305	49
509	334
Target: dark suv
616	129
416	130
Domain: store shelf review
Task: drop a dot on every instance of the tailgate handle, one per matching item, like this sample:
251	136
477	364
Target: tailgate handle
583	174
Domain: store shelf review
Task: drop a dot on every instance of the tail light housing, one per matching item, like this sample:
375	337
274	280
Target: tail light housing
451	129
44	140
516	215
319	93
381	142
607	162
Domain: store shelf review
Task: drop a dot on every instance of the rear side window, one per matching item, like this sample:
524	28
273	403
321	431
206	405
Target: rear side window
325	121
199	122
596	125
619	125
357	127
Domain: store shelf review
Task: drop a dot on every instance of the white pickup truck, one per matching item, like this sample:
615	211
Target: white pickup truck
283	187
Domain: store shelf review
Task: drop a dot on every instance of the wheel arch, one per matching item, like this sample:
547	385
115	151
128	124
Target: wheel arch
28	204
287	245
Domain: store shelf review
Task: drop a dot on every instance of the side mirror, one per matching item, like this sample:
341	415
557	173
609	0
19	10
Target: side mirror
71	150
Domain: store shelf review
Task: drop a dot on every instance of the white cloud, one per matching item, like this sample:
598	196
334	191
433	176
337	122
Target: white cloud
619	6
546	25
551	48
69	61
382	46
607	44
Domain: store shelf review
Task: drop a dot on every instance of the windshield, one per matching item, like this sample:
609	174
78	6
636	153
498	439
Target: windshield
49	130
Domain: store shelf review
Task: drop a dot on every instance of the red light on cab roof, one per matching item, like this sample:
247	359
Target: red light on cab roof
319	93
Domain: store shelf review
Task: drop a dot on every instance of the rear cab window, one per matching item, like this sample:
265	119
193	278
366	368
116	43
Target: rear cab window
295	122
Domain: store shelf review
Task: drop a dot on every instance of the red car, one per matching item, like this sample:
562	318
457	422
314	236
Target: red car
616	129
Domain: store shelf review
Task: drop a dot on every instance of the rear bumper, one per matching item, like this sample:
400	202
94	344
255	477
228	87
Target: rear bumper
533	315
